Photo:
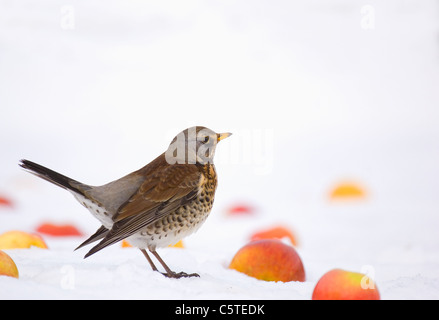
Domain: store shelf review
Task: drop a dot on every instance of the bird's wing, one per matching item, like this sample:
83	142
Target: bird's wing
168	188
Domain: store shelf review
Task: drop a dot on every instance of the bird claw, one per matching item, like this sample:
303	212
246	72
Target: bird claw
179	275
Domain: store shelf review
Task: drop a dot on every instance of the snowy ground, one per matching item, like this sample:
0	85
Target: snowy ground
315	92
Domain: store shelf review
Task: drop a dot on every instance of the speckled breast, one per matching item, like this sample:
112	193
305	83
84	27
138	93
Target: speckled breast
183	221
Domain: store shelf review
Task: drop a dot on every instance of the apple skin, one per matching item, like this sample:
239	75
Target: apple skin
126	244
179	244
348	190
269	260
241	210
339	284
58	230
21	240
278	232
5	202
7	266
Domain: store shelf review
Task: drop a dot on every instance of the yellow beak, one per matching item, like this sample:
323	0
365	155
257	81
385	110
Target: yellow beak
222	136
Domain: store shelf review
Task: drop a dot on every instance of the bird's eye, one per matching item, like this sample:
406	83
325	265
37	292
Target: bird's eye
206	139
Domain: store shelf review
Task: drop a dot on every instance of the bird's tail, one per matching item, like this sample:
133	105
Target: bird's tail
54	177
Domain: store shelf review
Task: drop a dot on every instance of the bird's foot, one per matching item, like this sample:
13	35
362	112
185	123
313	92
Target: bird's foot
179	275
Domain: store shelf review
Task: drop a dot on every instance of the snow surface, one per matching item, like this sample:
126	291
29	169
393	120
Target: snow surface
314	91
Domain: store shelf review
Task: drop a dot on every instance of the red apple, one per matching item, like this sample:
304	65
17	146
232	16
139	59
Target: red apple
7	266
275	233
58	230
241	210
269	260
5	202
20	240
339	284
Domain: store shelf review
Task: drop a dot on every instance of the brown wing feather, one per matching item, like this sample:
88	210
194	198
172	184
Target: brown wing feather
167	189
166	184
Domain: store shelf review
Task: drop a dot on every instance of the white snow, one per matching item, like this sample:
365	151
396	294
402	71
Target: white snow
315	92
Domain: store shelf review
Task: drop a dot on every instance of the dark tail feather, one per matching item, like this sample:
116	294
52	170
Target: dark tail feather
66	183
99	234
101	245
53	177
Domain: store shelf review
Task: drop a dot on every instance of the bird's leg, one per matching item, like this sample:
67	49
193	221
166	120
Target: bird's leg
169	273
154	268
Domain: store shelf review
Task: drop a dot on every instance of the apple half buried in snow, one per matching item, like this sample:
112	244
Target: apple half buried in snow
347	191
241	209
7	266
58	230
269	260
339	284
278	232
179	244
21	240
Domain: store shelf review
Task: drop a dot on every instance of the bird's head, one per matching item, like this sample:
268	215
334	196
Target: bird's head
194	145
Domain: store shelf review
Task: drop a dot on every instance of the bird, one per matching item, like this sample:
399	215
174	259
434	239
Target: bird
155	206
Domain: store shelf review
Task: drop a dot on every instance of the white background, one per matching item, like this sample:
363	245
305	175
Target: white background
315	92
